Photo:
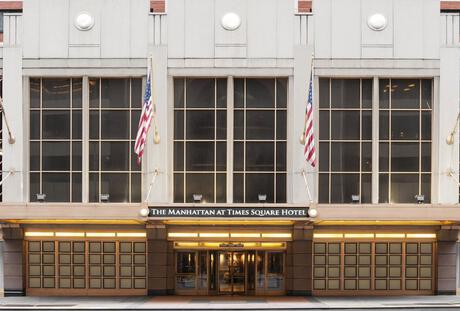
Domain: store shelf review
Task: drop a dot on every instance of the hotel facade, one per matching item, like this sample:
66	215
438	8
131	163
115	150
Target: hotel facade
224	202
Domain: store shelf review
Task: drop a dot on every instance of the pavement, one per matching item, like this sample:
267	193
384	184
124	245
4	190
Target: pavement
170	303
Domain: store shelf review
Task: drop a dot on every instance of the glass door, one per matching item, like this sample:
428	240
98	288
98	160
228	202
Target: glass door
232	273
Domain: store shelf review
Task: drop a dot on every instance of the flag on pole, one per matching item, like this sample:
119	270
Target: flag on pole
309	147
146	116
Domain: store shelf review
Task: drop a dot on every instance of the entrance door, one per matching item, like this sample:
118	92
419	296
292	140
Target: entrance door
232	273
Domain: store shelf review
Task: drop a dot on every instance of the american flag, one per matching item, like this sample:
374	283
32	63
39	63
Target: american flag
309	148
146	116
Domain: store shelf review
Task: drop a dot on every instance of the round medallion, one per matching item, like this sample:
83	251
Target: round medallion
84	21
377	22
231	21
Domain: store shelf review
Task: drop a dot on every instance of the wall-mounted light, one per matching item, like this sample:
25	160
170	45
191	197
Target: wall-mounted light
144	212
84	21
355	198
41	197
104	197
420	198
230	21
197	197
262	197
377	22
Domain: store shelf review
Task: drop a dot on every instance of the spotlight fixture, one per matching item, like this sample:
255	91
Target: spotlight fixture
197	197
420	198
312	212
104	197
262	197
41	197
355	198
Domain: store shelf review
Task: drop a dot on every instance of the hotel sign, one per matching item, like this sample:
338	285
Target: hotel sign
228	212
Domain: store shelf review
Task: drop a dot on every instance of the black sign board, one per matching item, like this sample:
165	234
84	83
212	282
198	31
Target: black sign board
228	212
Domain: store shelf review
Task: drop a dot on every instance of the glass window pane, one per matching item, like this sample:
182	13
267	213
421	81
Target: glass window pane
260	124
384	125
77	92
366	188
221	156
221	188
34	156
56	124
178	93
384	157
281	93
345	125
323	188
199	184
260	93
179	124
93	124
281	127
35	124
281	156
178	156
116	185
384	94
221	93
259	184
323	157
34	92
221	125
383	188
76	124
405	125
200	93
345	157
136	93
324	93
178	188
366	159
93	156
280	188
136	187
345	93
34	186
366	131
238	130
426	125
238	156
366	87
426	187
94	93
56	156
200	124
324	125
56	186
135	117
238	188
405	93
404	157
200	156
56	93
114	156
114	124
426	94
115	93
404	187
426	157
76	188
260	156
238	93
343	186
76	156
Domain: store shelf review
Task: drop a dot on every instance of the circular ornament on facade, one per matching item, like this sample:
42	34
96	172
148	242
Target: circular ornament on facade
84	21
230	21
377	22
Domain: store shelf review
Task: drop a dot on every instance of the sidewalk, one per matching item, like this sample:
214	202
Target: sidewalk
228	303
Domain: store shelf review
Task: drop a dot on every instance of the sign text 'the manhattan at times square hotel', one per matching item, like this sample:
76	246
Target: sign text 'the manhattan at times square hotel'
245	212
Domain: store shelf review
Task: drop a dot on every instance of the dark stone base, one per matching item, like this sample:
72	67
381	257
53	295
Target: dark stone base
157	292
298	293
14	293
446	292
